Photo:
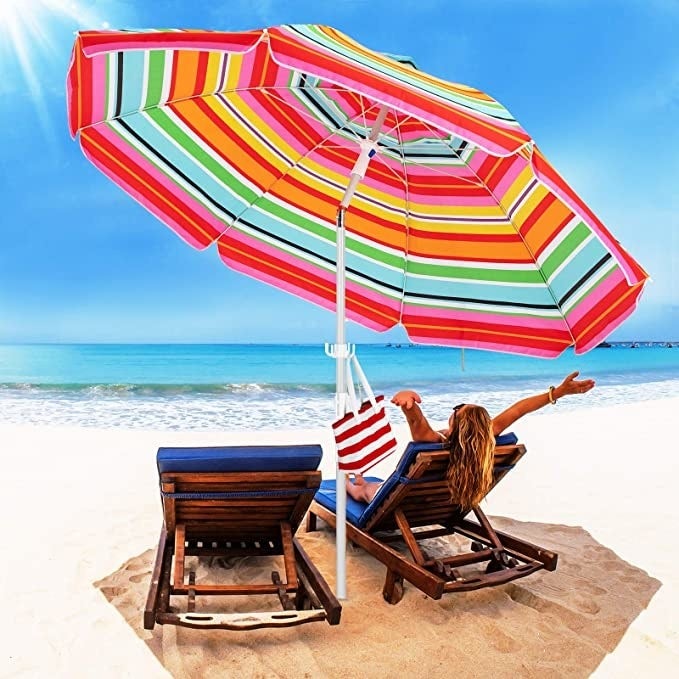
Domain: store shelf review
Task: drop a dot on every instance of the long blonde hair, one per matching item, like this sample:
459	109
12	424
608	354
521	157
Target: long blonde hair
472	449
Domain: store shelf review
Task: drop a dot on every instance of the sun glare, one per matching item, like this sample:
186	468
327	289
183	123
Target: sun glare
31	35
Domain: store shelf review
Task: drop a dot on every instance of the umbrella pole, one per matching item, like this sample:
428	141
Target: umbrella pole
342	355
341	349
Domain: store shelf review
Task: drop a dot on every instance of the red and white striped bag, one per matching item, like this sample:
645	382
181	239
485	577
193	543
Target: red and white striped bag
364	435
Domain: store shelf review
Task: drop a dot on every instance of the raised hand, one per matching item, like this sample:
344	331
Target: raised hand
406	398
571	385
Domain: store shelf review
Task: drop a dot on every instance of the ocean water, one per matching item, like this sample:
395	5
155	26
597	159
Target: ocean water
245	386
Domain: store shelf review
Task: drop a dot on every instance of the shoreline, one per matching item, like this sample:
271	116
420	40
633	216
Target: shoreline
236	413
81	507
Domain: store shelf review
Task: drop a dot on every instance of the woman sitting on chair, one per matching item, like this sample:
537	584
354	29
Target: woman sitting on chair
471	436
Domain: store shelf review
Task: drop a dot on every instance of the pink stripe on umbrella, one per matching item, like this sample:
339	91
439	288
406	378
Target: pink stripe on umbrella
576	314
99	84
216	225
453	316
542	352
270	253
581	349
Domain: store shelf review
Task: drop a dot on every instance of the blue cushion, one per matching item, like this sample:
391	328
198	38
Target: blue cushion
240	458
358	513
508	439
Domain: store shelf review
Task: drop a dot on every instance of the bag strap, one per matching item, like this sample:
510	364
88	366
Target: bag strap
352	402
363	380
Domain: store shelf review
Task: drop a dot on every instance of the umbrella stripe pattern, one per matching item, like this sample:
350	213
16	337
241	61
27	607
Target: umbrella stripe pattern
460	228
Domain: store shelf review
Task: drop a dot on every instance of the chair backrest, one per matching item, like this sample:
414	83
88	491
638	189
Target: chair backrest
238	493
418	486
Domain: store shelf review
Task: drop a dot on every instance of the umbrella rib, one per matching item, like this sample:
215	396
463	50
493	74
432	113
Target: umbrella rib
406	221
341	127
309	151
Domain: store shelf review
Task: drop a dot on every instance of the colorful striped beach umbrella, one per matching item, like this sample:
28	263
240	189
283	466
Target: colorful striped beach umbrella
451	222
460	229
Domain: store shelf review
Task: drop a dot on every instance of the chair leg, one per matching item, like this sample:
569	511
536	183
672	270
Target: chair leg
152	600
393	587
311	522
302	601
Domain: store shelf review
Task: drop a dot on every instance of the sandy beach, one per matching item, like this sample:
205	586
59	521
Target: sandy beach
81	516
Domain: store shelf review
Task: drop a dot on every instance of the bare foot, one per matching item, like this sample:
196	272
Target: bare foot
360	489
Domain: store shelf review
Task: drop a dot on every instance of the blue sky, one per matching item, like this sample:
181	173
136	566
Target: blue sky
595	83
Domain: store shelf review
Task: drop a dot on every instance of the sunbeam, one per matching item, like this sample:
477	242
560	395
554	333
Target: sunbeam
29	43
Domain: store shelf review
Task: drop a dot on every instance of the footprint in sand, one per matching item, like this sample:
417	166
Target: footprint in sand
558	529
586	605
140	577
594	551
503	642
588	587
112	592
500	640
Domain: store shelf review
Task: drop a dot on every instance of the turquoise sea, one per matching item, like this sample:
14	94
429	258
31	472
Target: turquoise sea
246	386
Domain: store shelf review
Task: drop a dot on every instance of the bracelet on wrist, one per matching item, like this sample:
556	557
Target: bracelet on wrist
550	395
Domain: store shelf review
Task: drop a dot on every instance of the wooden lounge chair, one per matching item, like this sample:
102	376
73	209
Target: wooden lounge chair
237	501
415	497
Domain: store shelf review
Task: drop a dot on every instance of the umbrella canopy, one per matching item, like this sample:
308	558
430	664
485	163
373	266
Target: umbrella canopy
459	229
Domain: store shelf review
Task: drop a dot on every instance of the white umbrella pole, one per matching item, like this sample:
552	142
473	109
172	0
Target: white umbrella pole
341	357
341	349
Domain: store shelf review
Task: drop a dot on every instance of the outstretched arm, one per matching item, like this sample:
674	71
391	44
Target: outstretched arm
570	385
420	429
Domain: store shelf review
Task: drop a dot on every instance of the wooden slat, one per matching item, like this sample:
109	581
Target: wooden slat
267	511
487	528
463	559
263	502
233	551
184	515
408	537
179	540
255	480
235	590
288	555
229	524
169	508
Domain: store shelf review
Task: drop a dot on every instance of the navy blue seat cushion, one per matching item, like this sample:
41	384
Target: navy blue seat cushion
358	513
240	458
